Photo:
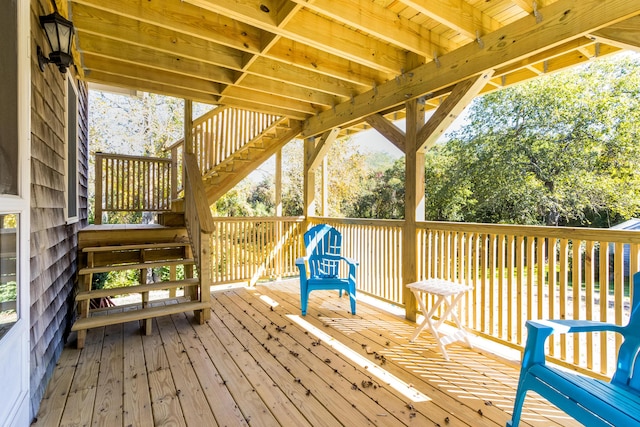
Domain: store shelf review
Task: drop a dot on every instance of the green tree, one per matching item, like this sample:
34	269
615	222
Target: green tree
559	150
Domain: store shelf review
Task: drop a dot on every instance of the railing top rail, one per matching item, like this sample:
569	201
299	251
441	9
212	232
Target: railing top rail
360	221
128	157
203	118
573	233
199	194
174	145
258	219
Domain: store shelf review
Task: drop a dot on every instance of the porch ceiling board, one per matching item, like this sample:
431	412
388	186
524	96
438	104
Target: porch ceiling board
96	63
333	63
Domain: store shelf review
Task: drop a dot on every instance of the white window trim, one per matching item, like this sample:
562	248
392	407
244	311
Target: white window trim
71	217
15	345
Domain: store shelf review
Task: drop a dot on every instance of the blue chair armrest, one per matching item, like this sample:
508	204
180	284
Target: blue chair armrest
301	260
351	261
539	330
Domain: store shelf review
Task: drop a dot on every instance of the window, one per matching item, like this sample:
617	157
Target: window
8	272
72	152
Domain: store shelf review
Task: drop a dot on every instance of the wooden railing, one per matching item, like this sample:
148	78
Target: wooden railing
522	273
250	249
200	227
131	184
220	133
518	273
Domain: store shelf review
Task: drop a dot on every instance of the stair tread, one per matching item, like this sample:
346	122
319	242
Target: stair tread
136	266
159	245
140	314
101	293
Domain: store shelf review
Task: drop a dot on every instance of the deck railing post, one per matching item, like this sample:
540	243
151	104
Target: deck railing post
414	206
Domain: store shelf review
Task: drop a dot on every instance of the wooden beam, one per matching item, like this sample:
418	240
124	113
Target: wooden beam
563	21
386	128
343	41
291	74
462	94
107	24
134	54
322	148
374	19
187	19
624	34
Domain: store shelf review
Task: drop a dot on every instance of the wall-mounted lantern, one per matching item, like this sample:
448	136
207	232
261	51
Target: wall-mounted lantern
59	33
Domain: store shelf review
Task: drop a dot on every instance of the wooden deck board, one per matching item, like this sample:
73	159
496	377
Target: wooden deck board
220	400
108	408
254	364
137	400
283	363
194	405
333	378
355	332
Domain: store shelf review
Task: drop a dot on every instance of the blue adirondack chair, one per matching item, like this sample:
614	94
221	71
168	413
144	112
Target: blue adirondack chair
591	401
319	268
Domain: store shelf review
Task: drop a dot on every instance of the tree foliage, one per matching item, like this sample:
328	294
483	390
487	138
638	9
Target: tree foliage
558	150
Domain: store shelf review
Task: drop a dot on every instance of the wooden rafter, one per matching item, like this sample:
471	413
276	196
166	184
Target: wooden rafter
309	60
564	21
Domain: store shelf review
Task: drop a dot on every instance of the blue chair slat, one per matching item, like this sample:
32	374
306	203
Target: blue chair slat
591	401
320	267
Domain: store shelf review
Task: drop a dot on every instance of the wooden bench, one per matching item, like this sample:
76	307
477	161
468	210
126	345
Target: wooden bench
590	401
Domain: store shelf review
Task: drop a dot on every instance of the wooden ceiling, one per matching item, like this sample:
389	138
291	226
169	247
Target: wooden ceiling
333	63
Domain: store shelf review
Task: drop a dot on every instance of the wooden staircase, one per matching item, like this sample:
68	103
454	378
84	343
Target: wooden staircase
224	176
230	144
106	248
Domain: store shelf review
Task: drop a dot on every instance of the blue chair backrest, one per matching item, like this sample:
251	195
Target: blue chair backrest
628	369
319	241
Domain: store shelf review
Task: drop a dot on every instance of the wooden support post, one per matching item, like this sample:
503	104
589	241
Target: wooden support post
309	208
174	176
279	226
191	291
146	323
83	307
188	126
97	216
173	276
414	204
279	182
325	187
204	277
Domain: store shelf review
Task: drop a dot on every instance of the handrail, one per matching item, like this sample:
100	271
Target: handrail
221	132
196	197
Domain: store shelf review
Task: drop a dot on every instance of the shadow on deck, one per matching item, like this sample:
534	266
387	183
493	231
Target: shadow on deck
258	362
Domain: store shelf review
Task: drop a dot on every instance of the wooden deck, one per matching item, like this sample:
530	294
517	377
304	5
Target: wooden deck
257	362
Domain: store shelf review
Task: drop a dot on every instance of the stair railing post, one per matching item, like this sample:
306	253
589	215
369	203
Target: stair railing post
97	216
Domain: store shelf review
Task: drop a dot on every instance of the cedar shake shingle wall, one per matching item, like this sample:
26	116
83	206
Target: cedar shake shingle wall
53	241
